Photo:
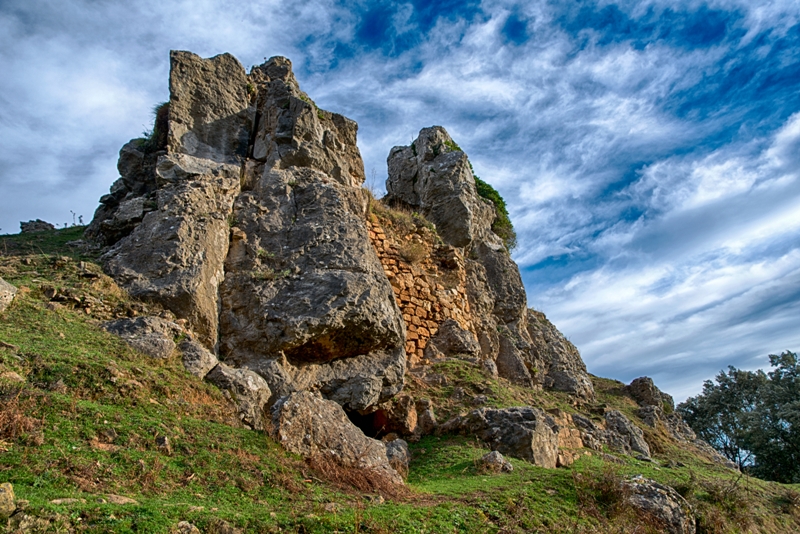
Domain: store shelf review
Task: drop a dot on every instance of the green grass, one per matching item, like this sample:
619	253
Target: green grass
85	424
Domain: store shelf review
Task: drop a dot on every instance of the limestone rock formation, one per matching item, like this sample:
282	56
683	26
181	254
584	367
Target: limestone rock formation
494	462
526	433
645	392
306	424
7	293
244	215
35	226
433	176
663	503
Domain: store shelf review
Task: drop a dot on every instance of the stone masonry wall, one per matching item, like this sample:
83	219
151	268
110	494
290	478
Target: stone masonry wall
428	279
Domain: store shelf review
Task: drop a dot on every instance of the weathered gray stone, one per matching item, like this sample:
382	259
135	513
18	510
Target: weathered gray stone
565	369
398	415
151	335
196	358
175	255
626	436
426	418
399	455
209	108
526	433
645	392
7	294
452	340
494	462
435	177
35	226
663	503
305	301
184	527
246	390
306	424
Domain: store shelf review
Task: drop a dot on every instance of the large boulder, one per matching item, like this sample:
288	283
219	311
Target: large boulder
625	436
153	336
7	294
311	426
37	225
526	433
645	392
175	256
249	222
662	503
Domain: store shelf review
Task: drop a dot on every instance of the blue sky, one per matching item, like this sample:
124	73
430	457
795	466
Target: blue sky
649	151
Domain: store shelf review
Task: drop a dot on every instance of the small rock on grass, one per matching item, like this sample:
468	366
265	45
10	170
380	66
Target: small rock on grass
184	527
68	501
494	462
7	504
119	499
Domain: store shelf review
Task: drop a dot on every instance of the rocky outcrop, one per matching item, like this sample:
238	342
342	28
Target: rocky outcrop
625	436
7	294
153	336
645	392
526	433
432	176
35	226
247	219
669	509
306	424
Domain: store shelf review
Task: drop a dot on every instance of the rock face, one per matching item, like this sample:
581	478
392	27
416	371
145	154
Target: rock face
7	293
247	219
432	176
662	503
306	424
526	433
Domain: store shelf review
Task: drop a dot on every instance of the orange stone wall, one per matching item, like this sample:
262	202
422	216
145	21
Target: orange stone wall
428	290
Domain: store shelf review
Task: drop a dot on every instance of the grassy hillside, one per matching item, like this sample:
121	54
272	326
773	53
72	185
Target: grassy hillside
84	417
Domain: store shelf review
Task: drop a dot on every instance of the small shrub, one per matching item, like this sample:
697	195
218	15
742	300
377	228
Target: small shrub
502	224
156	139
413	252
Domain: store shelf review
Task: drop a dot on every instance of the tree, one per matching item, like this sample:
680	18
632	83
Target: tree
753	418
720	415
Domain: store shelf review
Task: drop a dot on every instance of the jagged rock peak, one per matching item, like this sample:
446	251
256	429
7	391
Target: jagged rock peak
249	222
433	175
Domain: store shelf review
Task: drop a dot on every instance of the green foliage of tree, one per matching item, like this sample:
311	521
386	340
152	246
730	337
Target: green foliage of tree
753	418
502	223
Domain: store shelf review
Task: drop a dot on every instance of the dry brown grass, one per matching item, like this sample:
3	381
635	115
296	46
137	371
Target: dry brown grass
361	480
14	421
413	252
